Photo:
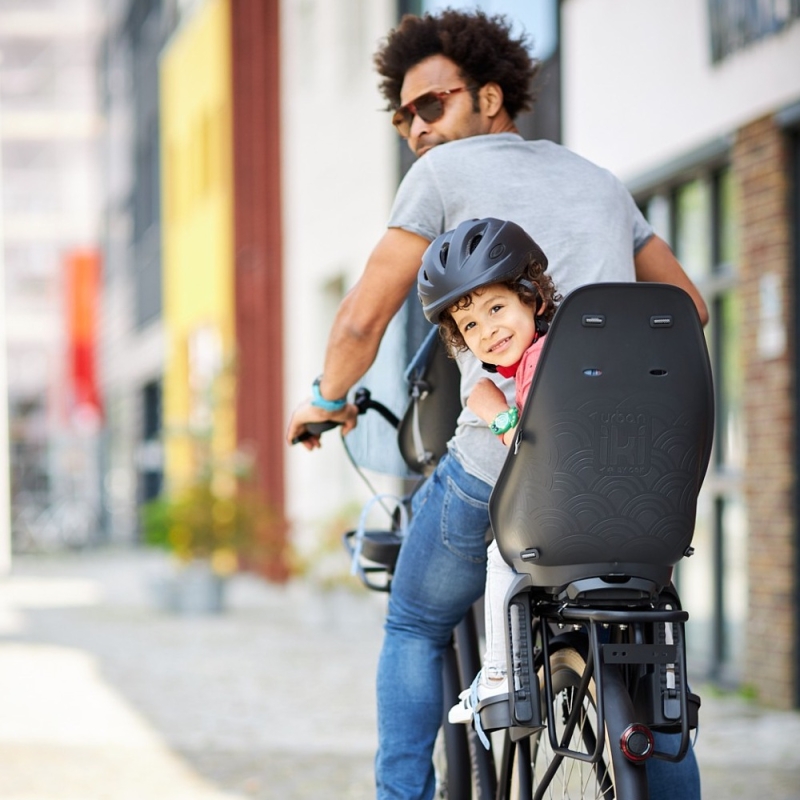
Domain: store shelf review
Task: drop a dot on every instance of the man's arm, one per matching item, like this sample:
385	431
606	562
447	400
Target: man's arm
368	308
360	323
655	262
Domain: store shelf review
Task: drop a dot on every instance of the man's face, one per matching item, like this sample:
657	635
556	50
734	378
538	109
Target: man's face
459	120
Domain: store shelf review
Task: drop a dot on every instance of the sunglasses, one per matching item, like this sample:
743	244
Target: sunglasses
429	107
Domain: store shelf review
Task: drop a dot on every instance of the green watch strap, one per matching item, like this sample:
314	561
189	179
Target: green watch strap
504	421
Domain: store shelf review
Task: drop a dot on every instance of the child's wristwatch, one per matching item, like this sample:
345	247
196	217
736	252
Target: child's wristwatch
504	421
320	402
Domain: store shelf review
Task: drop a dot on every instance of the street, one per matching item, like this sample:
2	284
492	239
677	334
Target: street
103	697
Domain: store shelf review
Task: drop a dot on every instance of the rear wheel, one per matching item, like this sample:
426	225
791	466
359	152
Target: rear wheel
561	777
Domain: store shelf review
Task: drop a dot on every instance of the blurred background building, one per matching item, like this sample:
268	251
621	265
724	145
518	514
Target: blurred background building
52	200
131	347
243	170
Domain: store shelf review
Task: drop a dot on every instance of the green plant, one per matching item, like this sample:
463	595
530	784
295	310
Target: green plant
199	521
213	509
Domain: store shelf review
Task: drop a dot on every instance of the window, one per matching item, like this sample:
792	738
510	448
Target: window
150	455
735	24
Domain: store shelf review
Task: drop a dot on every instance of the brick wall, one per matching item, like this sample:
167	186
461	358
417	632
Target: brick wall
761	169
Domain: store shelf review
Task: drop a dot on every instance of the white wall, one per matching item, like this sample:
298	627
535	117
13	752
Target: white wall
640	89
339	177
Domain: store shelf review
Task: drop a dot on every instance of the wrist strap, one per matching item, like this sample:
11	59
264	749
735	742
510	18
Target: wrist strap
504	421
320	402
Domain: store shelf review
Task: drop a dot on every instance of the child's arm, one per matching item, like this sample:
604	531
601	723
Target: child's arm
487	401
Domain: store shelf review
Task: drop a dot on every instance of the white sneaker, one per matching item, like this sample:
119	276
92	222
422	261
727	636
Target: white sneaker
463	711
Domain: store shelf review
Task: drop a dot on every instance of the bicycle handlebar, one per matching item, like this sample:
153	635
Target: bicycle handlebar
363	402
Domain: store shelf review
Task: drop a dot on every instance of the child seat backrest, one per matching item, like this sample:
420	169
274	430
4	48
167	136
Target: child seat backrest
613	443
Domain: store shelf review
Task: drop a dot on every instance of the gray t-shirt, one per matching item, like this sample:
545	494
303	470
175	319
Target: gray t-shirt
583	218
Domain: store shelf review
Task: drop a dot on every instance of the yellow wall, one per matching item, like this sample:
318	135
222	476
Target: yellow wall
197	219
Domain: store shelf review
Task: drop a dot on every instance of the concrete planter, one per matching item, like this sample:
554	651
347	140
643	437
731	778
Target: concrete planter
192	589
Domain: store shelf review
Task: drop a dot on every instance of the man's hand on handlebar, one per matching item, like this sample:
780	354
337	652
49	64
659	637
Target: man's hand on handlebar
306	415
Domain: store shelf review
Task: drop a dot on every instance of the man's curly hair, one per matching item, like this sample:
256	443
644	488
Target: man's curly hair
481	46
544	294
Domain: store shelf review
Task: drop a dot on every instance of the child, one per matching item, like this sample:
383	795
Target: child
484	283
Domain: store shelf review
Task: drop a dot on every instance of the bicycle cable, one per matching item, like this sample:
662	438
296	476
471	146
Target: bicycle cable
363	477
399	516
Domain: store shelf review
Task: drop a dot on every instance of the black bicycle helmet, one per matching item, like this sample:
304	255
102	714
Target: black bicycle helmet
476	253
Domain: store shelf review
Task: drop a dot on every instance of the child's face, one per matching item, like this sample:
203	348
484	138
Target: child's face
497	326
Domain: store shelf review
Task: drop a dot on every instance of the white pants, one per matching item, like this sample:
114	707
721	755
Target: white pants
499	577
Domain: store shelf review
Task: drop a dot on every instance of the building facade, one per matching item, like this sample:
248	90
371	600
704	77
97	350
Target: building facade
704	129
132	341
50	137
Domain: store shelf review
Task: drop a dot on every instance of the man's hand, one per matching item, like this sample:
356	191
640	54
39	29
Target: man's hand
305	413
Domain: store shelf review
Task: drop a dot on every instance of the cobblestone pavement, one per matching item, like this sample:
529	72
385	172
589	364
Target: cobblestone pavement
102	697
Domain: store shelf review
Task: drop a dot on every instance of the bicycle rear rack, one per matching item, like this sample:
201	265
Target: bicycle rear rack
671	657
662	702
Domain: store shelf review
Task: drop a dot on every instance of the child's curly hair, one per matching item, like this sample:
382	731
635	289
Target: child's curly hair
481	46
544	294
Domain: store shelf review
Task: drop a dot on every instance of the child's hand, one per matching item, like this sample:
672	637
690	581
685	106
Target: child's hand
508	436
486	400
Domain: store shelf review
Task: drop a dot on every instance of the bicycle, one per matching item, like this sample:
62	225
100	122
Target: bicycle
595	505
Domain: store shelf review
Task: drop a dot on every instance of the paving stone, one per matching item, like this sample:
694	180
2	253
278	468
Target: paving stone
103	697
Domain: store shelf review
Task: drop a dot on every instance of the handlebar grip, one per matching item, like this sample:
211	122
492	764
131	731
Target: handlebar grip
315	429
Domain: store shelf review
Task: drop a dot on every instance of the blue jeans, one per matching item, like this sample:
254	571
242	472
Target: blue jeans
668	781
440	573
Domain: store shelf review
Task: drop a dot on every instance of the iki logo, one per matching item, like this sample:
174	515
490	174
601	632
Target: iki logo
622	443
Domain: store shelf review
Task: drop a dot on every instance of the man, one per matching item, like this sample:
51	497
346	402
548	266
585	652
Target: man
455	81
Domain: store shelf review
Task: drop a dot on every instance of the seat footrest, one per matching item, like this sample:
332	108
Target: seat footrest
380	547
495	715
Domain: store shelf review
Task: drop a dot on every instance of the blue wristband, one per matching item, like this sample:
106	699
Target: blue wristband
320	402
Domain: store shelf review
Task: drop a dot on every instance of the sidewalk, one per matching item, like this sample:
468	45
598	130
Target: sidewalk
104	698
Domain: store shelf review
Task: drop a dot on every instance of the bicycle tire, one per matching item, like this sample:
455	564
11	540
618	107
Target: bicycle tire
613	777
571	778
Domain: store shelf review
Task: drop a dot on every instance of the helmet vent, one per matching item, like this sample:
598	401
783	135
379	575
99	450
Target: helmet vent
474	242
443	253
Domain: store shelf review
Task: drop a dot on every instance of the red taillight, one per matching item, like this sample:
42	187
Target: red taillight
637	743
